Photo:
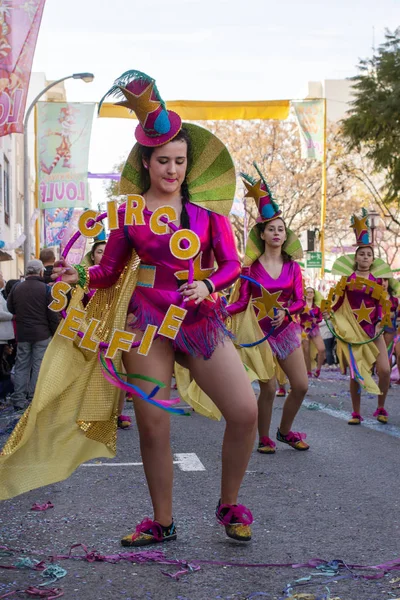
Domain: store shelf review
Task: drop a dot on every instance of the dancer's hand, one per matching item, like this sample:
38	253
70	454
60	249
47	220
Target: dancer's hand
65	271
279	317
196	291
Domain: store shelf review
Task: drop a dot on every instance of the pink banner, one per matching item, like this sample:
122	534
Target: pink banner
19	28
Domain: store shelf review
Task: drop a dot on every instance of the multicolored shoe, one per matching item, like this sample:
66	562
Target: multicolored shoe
356	419
317	373
293	439
124	422
281	392
236	519
309	373
149	532
266	445
381	415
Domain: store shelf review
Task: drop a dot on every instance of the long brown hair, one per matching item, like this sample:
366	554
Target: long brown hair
261	226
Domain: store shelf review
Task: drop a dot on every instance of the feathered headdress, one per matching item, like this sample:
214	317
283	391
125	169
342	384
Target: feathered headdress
260	191
138	92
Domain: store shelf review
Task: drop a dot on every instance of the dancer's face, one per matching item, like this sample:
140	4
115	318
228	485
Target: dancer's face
364	258
167	167
274	234
309	294
385	284
98	253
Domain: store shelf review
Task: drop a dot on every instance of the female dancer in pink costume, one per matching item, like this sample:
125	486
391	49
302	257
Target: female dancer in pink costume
310	316
162	162
366	312
277	297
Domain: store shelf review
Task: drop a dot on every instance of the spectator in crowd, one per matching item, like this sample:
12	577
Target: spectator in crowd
9	285
6	334
48	259
36	324
329	342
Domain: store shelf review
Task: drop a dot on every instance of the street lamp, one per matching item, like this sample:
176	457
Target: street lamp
87	78
373	216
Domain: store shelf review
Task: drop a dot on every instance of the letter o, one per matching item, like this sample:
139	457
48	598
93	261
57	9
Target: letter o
175	244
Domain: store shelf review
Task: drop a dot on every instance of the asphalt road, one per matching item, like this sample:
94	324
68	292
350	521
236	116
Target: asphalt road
338	501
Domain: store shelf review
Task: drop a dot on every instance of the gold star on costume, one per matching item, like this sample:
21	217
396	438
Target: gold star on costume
307	325
307	309
266	303
363	313
199	272
255	191
142	105
360	225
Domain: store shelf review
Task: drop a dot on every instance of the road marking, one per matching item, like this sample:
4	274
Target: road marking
186	461
189	461
389	429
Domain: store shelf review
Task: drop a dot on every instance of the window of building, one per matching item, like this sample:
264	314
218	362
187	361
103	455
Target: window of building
7	200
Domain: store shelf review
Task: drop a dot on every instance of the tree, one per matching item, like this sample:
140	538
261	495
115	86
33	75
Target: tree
374	119
296	182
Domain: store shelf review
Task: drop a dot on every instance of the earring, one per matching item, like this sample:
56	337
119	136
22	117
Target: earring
146	166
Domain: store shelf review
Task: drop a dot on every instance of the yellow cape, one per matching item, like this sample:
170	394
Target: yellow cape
258	360
347	326
73	415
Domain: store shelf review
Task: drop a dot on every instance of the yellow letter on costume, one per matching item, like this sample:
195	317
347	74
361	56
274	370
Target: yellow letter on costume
134	210
71	323
83	227
59	293
147	340
121	340
172	321
112	214
158	227
175	244
87	343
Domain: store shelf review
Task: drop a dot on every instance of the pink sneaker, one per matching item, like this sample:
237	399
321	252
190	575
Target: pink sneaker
381	415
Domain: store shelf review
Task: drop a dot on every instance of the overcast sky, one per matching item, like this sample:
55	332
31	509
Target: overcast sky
205	50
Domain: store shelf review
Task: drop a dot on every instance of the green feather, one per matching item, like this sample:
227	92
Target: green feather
273	202
126	78
247	178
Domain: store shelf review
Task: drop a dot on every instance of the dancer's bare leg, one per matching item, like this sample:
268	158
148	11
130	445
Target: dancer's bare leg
305	343
320	346
355	395
383	371
223	378
295	369
265	406
154	424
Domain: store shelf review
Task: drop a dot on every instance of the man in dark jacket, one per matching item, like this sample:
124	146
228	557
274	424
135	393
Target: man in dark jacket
36	324
48	259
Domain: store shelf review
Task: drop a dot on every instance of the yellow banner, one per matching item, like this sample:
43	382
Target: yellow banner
199	110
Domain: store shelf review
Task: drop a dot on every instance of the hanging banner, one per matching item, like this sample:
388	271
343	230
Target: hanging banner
55	222
310	119
62	146
19	27
77	252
